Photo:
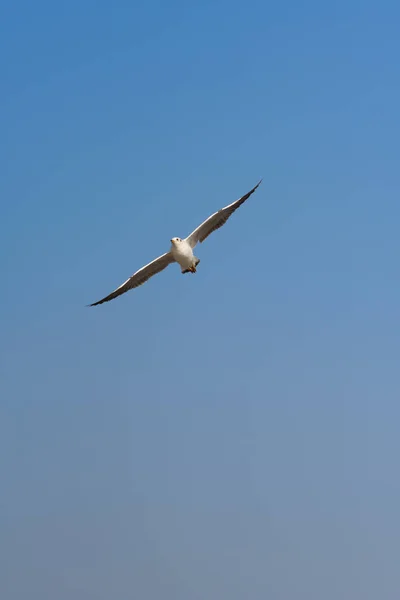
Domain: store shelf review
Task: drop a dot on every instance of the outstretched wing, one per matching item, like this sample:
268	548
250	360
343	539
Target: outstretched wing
216	220
140	277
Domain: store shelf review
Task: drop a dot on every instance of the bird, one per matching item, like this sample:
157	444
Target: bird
181	250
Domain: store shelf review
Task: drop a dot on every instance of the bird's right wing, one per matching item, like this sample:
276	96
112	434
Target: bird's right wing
216	220
140	277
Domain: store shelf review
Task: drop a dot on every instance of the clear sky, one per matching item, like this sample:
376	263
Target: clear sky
228	435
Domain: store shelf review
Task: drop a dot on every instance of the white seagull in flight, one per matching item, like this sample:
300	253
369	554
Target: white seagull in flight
181	251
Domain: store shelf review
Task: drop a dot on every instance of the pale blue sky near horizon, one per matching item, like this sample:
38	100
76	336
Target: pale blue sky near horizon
233	434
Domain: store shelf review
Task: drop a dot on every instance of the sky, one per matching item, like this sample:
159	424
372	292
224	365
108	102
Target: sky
226	435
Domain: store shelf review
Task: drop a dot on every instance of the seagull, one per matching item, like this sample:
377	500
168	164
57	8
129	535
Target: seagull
181	250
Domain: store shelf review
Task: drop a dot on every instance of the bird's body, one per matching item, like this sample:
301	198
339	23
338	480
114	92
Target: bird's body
181	250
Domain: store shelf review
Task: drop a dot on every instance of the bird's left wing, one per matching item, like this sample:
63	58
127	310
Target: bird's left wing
140	276
216	220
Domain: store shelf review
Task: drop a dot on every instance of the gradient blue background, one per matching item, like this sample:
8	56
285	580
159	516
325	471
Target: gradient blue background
233	434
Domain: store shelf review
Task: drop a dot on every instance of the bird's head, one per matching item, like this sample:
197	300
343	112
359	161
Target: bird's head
175	240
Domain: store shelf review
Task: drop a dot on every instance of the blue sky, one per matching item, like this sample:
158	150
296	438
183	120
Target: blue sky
232	434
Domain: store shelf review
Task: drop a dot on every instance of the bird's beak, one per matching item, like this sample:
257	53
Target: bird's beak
172	241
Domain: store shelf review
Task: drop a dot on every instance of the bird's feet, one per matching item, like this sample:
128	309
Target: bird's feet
192	268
